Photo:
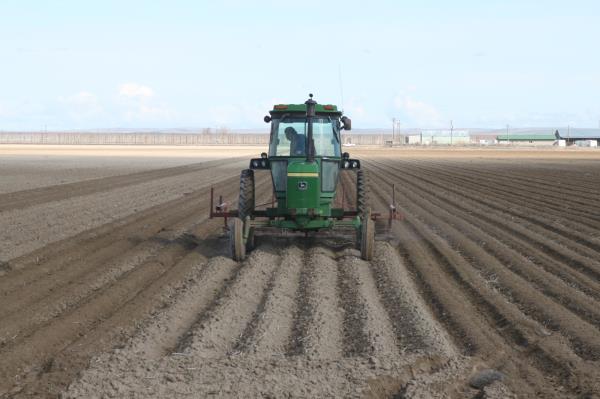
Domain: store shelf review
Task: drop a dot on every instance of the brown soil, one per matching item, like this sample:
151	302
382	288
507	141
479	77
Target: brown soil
118	285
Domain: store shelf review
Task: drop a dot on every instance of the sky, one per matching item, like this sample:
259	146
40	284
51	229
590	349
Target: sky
192	64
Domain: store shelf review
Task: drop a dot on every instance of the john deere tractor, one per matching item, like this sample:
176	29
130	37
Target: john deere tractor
305	159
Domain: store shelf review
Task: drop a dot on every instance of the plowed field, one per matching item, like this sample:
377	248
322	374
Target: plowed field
117	284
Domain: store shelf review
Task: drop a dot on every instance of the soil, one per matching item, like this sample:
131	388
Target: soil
115	282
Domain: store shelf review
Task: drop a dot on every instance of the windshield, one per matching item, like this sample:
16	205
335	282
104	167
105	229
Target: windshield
289	137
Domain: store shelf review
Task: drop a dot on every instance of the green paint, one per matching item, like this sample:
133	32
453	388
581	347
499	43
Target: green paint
303	186
304	199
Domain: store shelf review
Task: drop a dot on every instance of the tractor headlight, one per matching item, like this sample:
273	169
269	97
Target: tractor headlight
354	164
259	163
346	165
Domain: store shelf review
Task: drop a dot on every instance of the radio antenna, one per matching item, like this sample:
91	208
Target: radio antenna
341	85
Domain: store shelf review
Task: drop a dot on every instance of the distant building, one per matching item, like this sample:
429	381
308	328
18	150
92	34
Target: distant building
484	138
577	135
439	137
412	139
523	138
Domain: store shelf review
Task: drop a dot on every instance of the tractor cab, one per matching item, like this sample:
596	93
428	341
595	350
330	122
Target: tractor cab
305	158
289	134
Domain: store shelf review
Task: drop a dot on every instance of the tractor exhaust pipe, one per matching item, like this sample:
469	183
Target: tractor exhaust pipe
310	114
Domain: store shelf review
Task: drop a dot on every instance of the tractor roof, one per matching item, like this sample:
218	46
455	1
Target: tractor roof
319	109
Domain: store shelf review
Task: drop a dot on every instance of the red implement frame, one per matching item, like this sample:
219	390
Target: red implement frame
221	210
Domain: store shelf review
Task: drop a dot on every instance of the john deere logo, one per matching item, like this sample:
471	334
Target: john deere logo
302	185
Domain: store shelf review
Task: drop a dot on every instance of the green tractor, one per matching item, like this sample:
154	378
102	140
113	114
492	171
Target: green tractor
305	159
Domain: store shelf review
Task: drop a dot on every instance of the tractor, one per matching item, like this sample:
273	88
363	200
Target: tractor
305	160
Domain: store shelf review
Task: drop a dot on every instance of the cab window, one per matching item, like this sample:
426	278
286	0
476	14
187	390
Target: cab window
326	139
289	137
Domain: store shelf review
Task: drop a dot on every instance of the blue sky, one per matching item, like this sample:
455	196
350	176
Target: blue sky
105	64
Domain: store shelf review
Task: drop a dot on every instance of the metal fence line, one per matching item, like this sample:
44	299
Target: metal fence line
176	139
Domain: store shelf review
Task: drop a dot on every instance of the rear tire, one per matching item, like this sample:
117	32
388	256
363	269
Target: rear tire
236	240
250	241
247	194
367	239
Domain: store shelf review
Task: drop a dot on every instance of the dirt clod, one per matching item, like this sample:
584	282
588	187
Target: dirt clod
485	377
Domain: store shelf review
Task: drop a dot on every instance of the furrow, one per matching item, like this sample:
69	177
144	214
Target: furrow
378	326
560	207
508	179
68	218
584	341
356	340
274	325
548	284
217	334
36	347
588	266
303	311
503	183
39	306
528	210
549	355
468	328
563	186
75	280
194	298
109	332
414	328
320	337
95	243
28	198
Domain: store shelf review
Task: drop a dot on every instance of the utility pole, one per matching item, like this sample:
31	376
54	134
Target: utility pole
451	131
393	131
399	132
507	138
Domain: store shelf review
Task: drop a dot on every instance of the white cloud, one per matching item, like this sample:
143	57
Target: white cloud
418	112
140	103
134	90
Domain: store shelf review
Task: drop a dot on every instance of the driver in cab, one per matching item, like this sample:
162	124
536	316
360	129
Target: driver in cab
297	141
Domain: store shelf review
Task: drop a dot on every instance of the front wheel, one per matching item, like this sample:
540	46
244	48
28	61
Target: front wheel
367	237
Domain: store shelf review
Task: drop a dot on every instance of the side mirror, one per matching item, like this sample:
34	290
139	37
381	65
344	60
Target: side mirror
346	123
267	119
263	155
345	155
